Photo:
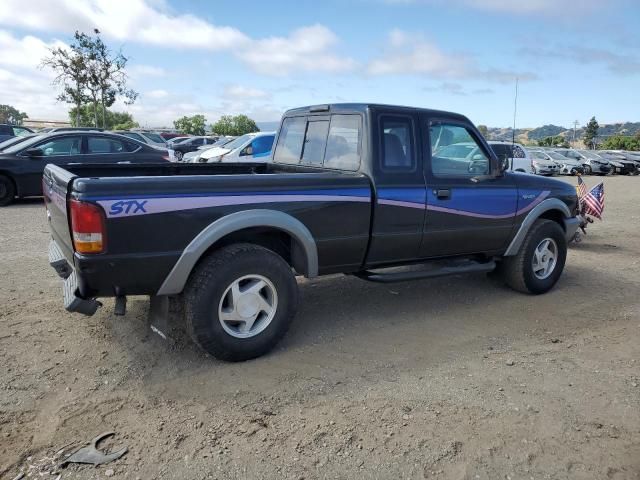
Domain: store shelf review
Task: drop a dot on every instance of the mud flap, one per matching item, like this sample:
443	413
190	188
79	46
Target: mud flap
159	315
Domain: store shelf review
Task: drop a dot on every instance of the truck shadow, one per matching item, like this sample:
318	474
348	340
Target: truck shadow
350	327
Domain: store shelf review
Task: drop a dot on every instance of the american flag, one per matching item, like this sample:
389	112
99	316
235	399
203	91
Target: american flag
594	201
581	188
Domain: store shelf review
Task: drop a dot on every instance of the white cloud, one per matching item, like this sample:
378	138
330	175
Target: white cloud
23	83
159	93
134	20
26	52
149	22
517	7
305	49
412	54
138	71
242	92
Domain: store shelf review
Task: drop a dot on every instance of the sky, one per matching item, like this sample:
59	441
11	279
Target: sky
573	59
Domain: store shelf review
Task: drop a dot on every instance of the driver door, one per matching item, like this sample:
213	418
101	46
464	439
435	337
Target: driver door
470	205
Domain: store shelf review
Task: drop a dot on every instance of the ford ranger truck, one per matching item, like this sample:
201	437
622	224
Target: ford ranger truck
350	188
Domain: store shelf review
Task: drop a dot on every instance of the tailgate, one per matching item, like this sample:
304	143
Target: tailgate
56	182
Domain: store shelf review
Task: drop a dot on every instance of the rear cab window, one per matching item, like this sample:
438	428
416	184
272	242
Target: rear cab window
331	141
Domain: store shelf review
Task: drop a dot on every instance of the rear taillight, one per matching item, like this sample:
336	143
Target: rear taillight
87	227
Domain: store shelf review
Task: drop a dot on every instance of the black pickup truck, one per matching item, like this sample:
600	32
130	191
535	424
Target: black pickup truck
352	188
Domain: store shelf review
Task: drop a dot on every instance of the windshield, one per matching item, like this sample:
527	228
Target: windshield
27	142
13	141
238	142
589	154
154	137
557	156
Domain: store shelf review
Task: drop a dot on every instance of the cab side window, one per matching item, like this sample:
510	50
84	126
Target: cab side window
397	150
455	152
290	140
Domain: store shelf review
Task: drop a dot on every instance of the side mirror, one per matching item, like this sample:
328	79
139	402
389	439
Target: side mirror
34	152
504	164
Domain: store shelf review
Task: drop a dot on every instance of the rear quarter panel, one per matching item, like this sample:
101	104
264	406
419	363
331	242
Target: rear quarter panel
147	232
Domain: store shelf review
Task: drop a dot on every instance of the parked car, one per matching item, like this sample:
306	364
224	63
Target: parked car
566	165
627	167
252	147
594	163
169	135
543	164
190	145
22	164
14	140
193	157
347	192
8	131
518	156
630	156
149	138
178	139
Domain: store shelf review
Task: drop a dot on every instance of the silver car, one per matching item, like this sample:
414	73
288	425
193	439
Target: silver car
594	163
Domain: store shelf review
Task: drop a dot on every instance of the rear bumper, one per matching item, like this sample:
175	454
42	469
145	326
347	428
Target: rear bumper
72	301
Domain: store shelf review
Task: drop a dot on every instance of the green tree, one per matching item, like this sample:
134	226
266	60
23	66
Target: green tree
85	117
620	142
194	125
590	133
71	69
557	141
9	114
88	72
237	125
483	130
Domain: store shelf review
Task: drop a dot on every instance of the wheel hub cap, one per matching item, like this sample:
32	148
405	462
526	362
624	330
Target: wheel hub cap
545	258
248	306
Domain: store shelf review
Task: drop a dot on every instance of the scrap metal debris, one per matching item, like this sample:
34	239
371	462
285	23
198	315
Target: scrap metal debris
91	454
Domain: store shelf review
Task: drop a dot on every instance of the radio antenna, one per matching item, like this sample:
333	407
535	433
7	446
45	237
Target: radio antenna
515	111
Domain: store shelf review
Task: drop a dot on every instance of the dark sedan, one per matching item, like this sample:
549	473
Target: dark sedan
191	145
22	163
9	131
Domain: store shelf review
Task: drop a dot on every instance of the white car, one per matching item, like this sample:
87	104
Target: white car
519	158
252	147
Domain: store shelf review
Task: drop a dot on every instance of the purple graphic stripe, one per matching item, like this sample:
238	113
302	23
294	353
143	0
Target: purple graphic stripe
162	205
436	208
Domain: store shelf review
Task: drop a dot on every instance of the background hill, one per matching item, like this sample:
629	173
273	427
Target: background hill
532	135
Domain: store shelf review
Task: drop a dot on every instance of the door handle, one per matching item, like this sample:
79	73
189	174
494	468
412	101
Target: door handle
443	193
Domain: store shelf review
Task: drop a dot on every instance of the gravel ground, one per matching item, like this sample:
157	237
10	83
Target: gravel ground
450	378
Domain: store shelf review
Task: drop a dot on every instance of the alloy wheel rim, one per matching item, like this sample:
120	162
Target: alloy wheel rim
248	306
545	258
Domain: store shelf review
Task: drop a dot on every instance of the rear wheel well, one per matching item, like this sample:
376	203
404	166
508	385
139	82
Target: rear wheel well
278	241
555	216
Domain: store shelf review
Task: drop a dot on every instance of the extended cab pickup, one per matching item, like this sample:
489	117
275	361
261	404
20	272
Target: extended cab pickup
352	188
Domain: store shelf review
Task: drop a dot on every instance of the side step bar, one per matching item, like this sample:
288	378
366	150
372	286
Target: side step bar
467	267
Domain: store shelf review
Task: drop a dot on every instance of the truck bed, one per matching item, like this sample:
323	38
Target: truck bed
153	212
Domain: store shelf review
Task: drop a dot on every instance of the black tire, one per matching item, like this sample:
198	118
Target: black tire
518	270
179	155
587	170
7	191
207	286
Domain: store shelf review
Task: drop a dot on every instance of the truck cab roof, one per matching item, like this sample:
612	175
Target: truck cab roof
364	107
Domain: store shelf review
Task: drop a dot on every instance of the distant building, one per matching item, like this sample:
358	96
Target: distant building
33	123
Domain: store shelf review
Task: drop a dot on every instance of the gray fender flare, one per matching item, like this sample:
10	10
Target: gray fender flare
532	216
177	278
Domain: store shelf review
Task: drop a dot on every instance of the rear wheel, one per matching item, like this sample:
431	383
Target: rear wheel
538	265
7	191
239	302
179	155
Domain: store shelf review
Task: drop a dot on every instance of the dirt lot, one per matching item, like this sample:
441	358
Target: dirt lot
450	378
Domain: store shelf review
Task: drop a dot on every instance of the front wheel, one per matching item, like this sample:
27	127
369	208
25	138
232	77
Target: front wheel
179	155
239	302
7	191
588	170
538	265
